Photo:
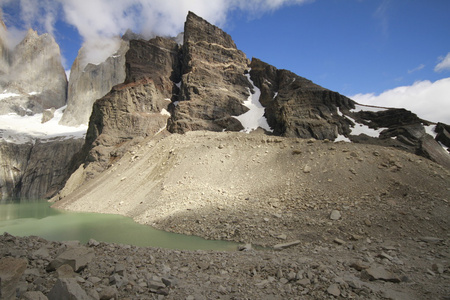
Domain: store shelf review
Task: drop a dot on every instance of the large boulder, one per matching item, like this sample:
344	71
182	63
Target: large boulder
76	257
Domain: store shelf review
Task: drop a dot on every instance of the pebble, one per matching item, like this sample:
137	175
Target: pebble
335	215
334	290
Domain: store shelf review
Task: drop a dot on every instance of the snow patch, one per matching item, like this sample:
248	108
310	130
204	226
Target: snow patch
274	96
164	112
19	130
342	138
254	117
430	130
364	129
178	85
6	95
359	107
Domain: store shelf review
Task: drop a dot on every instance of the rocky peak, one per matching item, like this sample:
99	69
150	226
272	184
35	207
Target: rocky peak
197	30
213	86
33	76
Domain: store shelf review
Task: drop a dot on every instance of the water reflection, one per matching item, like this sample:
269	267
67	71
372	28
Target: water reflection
38	218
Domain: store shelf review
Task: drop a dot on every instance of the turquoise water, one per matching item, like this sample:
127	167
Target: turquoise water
39	219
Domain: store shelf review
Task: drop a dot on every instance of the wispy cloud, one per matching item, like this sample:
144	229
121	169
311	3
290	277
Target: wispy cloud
444	64
418	68
429	100
382	15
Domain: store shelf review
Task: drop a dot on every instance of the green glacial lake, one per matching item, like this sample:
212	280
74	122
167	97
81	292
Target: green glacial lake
39	219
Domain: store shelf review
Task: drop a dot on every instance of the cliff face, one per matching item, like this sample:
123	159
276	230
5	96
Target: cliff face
32	76
90	82
296	107
35	170
136	108
213	86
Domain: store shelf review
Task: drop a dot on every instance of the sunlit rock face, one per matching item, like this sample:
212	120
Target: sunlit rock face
89	82
137	108
32	77
213	86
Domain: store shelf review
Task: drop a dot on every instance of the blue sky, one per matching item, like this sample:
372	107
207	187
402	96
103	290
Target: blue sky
380	52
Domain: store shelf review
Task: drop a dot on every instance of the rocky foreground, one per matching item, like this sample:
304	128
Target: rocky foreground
350	221
418	268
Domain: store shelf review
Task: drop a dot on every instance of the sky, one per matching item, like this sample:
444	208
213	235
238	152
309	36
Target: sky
393	53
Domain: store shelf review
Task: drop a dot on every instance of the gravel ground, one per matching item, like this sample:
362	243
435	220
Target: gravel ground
355	212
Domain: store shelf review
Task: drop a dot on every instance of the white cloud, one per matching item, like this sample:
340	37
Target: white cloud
100	19
418	68
429	100
444	64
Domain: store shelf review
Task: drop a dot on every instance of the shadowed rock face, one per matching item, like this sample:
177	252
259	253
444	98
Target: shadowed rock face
33	72
296	107
35	170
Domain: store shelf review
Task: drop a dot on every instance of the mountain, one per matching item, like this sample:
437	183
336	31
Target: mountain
34	152
90	82
32	78
204	84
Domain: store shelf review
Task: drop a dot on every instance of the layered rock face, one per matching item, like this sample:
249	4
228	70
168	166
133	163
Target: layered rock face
213	86
35	170
296	107
32	78
90	82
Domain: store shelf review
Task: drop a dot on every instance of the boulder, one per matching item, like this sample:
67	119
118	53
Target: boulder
378	273
11	270
67	288
34	295
77	258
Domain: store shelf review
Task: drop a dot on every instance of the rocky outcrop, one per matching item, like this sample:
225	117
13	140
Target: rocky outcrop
35	170
90	82
212	85
443	134
296	107
33	79
136	108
